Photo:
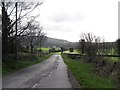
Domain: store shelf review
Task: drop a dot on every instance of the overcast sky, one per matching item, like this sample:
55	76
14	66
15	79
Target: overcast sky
67	19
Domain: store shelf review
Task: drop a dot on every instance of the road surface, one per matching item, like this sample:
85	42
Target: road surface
52	73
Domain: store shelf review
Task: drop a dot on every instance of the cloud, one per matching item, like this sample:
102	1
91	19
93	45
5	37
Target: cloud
66	17
59	27
63	22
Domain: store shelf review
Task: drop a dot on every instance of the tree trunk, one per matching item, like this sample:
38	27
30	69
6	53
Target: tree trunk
4	31
31	47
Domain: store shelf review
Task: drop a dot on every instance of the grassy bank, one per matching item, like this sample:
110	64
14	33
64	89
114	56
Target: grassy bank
11	65
85	76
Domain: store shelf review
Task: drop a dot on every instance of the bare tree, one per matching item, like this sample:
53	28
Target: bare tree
82	45
35	35
89	44
88	38
23	13
24	18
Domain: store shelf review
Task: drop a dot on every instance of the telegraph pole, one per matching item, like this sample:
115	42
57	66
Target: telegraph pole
16	34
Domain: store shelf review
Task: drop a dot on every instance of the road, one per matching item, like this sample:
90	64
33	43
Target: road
52	73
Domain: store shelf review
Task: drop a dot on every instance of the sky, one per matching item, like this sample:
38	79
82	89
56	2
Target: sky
68	19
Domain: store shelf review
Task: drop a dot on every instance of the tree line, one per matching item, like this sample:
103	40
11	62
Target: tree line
92	45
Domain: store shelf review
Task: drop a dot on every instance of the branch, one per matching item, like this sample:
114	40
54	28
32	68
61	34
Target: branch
30	10
23	16
11	11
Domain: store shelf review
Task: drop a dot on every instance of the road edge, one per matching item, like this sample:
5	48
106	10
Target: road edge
72	79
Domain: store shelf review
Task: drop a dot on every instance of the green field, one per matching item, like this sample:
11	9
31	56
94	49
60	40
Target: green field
112	59
85	76
44	49
109	52
74	52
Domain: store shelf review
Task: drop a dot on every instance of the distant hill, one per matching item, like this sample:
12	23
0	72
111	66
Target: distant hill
50	42
53	42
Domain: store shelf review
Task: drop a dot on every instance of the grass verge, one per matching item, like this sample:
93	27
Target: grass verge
85	76
11	65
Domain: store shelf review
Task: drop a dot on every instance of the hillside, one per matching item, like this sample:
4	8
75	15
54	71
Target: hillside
53	42
50	42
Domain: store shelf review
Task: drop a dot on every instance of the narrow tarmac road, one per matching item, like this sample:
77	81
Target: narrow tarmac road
52	73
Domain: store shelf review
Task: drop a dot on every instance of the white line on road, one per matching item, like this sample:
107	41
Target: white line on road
50	73
35	85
